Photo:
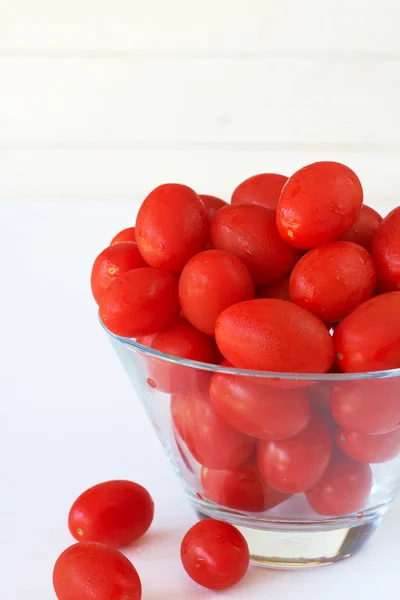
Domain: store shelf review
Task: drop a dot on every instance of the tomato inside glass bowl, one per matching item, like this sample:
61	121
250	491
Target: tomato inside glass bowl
304	465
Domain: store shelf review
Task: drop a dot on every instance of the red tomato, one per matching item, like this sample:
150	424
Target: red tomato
262	412
343	489
274	335
111	263
146	340
369	338
114	513
171	227
367	406
215	554
263	189
386	251
90	571
364	228
140	302
318	204
126	235
332	280
211	441
240	489
250	232
212	204
279	290
296	464
369	448
210	282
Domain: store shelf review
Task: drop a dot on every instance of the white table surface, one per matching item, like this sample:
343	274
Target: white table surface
69	419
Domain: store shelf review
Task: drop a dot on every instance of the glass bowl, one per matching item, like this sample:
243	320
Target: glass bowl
263	451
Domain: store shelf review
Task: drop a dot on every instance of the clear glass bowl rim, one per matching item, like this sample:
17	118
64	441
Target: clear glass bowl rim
314	377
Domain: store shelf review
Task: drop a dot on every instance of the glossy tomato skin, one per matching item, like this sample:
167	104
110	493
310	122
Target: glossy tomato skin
332	280
364	228
263	189
111	264
318	204
126	235
240	489
296	464
370	406
343	489
140	302
215	554
368	448
385	250
257	410
88	571
210	282
115	513
210	440
250	232
279	290
171	227
274	335
212	204
368	339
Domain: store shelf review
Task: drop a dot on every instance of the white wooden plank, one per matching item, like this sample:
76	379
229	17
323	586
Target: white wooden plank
210	26
133	173
201	101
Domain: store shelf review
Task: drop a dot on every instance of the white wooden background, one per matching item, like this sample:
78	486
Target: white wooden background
101	97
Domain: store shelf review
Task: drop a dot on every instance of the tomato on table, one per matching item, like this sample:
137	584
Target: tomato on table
263	189
111	264
212	204
140	302
296	464
210	440
385	250
91	571
343	489
278	290
378	448
113	512
210	282
332	280
171	227
368	339
249	232
364	228
215	554
126	235
318	204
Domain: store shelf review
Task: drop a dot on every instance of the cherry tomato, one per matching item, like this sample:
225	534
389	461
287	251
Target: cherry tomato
211	441
114	513
318	204
210	282
91	571
146	340
274	335
368	339
364	228
279	290
215	554
140	302
296	464
250	232
212	204
126	235
181	339
111	263
386	251
332	280
171	227
369	448
240	489
262	412
263	189
367	406
343	489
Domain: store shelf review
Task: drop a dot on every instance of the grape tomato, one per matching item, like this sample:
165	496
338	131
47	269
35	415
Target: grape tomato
263	189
